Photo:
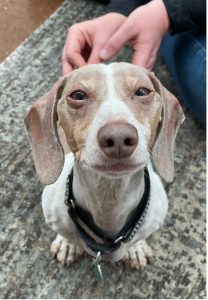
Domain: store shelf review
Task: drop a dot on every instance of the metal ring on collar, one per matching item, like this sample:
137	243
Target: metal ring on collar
116	241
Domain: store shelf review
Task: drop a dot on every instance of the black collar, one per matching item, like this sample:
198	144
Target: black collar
125	235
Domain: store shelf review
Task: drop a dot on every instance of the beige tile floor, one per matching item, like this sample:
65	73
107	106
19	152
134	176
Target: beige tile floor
19	18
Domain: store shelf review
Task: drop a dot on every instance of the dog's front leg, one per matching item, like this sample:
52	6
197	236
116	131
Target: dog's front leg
138	255
65	252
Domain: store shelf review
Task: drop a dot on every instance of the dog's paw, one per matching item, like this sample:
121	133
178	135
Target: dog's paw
65	252
138	255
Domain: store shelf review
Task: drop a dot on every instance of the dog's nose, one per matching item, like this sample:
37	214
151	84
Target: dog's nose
117	140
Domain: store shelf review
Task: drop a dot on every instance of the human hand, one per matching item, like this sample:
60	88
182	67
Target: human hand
85	41
144	30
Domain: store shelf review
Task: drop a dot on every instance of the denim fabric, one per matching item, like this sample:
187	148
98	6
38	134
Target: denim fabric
185	55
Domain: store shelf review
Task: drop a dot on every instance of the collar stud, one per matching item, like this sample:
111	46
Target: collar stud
72	203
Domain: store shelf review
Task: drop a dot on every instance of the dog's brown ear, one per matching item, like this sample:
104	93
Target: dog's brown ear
40	124
172	118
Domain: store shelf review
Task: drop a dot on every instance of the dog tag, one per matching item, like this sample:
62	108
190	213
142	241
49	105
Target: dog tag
98	272
97	268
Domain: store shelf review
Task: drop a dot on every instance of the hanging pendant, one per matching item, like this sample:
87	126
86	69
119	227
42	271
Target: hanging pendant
97	267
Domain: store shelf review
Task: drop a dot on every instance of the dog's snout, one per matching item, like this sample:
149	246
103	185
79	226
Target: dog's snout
117	140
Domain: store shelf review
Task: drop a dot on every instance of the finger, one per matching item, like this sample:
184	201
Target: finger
116	42
95	55
66	65
74	44
144	58
73	54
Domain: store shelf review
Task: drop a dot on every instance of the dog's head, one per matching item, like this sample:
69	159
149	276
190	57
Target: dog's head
112	115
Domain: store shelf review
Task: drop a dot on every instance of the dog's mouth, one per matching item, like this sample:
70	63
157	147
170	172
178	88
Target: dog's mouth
116	169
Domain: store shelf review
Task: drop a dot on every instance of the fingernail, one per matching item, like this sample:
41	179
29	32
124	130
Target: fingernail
104	54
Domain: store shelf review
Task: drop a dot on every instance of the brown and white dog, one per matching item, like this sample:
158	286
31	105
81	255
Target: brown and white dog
115	118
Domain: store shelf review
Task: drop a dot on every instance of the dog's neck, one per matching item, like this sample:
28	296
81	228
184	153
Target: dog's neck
109	201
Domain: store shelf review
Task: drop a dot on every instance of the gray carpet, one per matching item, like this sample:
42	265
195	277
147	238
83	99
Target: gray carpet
27	270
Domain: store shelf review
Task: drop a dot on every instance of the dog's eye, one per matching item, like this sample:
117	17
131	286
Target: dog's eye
142	92
78	96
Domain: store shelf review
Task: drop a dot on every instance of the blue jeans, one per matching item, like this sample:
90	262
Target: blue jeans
185	55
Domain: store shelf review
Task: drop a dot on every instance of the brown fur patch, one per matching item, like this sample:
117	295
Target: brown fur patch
75	118
147	110
62	138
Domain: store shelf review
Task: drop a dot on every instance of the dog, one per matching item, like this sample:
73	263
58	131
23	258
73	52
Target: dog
117	119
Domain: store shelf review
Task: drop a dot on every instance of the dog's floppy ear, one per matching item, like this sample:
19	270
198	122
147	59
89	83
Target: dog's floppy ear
172	118
40	124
